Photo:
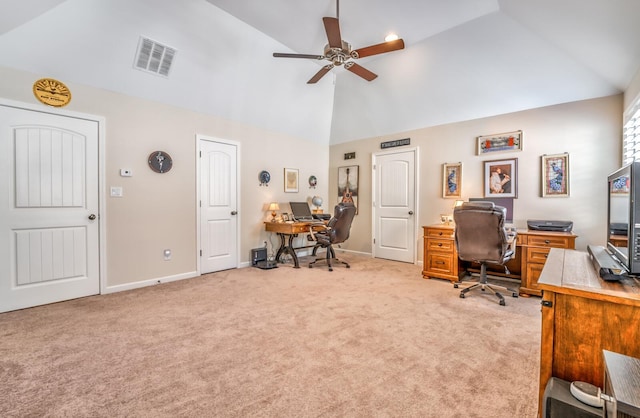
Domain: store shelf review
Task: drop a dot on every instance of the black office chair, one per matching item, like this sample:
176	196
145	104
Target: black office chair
481	237
335	232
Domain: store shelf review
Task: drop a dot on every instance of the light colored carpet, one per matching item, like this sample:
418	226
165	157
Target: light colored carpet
375	340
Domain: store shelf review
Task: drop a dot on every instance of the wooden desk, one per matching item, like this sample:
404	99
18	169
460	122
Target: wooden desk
583	315
440	258
287	231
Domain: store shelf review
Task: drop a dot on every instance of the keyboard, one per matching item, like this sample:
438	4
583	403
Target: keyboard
304	218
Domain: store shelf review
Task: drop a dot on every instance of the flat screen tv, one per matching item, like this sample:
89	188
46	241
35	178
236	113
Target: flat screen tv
623	216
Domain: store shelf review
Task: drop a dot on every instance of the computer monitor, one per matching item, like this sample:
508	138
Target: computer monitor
300	209
505	202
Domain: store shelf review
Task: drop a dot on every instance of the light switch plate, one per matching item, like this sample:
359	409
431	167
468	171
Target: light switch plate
116	191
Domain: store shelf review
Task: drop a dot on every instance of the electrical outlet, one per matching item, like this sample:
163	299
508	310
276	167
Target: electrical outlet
116	191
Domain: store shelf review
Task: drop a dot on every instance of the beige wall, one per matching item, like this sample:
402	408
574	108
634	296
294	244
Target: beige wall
159	211
589	131
632	93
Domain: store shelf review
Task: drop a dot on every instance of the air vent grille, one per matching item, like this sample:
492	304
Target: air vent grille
154	57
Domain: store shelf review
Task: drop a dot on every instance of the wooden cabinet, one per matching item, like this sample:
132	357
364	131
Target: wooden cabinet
440	258
535	246
440	255
582	315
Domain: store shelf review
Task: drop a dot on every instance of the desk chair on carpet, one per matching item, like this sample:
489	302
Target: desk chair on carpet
481	237
335	232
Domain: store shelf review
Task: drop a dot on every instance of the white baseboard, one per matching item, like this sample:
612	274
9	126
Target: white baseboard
149	282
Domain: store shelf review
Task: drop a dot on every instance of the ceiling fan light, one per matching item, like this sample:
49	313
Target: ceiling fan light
391	37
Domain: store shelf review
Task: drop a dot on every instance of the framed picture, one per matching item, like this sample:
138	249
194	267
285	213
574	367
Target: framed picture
452	180
555	175
348	185
285	217
291	180
508	141
501	178
621	185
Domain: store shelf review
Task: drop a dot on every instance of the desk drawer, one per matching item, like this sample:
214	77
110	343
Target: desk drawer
537	255
439	233
440	245
548	241
440	263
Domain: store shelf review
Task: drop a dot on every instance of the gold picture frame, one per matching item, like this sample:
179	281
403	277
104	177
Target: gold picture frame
452	180
555	175
291	180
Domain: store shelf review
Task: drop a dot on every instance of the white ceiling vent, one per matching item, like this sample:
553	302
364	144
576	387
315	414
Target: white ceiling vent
154	57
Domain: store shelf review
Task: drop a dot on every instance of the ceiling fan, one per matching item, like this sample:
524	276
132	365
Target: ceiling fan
338	52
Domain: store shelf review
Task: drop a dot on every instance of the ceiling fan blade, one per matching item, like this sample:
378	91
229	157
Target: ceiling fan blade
286	55
360	70
378	49
320	74
332	27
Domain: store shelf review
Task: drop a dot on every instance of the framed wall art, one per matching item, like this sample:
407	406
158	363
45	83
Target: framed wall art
555	175
508	141
501	178
348	185
452	180
291	180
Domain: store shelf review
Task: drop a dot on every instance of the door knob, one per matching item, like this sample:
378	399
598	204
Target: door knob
233	212
92	217
410	212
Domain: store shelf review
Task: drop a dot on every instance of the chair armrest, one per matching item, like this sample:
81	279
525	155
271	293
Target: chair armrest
315	226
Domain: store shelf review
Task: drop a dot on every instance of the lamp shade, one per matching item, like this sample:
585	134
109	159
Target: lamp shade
274	206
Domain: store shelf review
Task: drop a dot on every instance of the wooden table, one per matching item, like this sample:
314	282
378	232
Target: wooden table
287	231
582	315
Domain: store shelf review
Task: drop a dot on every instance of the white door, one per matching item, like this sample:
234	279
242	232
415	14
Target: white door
49	234
394	208
218	206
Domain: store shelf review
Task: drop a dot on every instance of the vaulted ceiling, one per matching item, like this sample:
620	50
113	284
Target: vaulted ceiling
464	59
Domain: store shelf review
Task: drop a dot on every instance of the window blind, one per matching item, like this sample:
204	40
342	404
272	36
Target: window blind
631	138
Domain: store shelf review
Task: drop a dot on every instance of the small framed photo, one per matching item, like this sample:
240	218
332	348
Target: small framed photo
508	141
452	180
291	180
501	178
285	217
555	175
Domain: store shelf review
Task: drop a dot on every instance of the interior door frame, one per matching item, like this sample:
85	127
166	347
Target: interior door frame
236	144
375	192
102	215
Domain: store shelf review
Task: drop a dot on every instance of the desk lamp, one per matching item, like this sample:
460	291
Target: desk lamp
273	207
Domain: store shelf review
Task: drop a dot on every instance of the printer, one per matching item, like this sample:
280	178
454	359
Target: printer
559	226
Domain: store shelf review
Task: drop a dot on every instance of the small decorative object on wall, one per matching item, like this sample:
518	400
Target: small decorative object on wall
313	181
52	92
264	178
452	180
291	180
160	162
395	143
555	175
349	155
501	178
508	141
348	185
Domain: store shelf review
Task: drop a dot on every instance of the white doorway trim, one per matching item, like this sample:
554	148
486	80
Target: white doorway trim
102	217
375	193
200	138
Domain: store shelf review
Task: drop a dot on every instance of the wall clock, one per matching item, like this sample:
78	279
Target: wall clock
160	161
264	177
52	92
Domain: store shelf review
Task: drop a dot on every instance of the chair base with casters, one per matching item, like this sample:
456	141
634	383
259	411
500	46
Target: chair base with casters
330	257
483	285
